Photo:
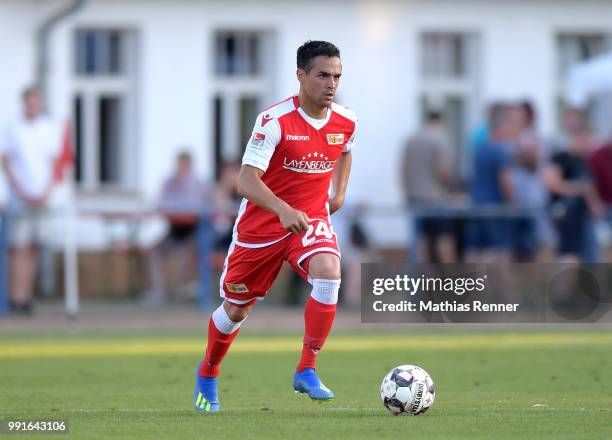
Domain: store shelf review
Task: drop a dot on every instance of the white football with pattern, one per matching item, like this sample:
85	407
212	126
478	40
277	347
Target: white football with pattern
407	389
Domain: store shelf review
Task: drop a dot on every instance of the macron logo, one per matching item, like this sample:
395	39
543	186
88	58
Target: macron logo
297	137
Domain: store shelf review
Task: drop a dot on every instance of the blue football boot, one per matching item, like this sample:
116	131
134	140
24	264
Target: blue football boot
307	381
205	398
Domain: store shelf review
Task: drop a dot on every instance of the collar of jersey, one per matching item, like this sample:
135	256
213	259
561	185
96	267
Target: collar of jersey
317	124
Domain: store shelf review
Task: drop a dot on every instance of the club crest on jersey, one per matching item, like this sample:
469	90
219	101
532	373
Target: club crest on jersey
335	139
265	119
237	288
258	139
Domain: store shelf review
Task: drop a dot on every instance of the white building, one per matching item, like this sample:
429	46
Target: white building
141	79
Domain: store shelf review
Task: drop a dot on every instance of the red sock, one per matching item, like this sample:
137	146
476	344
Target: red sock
218	345
318	321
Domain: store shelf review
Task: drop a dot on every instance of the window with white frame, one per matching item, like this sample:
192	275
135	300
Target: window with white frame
574	48
449	80
104	66
578	47
243	78
238	53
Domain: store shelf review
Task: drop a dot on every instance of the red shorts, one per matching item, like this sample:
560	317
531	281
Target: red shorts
248	272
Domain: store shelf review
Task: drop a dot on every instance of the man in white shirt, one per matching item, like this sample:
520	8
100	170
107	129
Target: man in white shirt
30	149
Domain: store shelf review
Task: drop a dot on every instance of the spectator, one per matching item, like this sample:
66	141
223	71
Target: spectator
601	168
31	150
529	191
355	245
482	132
574	122
427	176
182	200
225	205
489	239
572	195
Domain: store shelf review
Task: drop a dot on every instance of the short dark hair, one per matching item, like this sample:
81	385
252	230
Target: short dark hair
529	110
497	113
32	89
184	155
433	116
311	49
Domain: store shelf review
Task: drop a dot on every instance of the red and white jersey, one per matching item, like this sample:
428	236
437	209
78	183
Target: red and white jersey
298	155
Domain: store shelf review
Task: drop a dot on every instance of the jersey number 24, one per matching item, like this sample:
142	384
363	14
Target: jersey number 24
322	230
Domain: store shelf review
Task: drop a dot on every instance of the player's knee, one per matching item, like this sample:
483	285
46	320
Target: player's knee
236	313
325	291
324	266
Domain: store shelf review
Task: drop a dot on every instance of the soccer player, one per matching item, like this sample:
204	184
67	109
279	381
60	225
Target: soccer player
298	147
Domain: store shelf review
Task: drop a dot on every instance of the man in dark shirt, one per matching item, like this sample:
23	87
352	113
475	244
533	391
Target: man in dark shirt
572	195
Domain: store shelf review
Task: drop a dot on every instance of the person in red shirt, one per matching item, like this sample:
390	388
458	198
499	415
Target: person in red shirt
601	168
294	175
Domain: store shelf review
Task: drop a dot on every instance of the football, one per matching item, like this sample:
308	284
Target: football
407	389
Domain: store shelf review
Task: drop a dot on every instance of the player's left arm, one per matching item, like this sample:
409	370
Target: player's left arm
342	171
340	181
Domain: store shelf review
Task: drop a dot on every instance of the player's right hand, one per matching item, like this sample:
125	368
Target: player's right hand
293	220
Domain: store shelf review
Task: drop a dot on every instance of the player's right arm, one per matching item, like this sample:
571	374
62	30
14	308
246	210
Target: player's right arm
259	150
256	191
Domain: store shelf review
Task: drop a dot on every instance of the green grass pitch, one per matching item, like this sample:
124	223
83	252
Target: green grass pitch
140	386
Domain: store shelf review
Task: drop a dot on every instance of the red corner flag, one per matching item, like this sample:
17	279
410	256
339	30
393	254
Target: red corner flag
66	156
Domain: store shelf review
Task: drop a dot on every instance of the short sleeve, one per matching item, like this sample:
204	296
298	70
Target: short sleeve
351	142
7	141
263	141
